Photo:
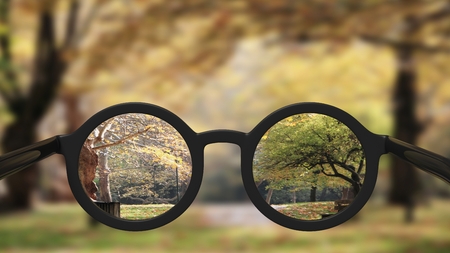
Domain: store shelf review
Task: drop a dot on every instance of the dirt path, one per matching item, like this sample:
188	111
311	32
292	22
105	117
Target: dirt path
236	214
278	207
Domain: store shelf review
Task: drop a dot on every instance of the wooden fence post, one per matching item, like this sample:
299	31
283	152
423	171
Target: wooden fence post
112	208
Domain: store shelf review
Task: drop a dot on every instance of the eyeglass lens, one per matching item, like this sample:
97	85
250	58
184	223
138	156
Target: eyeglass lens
136	163
309	166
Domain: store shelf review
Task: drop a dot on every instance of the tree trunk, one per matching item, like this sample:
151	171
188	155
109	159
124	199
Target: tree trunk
104	171
28	111
404	178
345	192
323	194
72	113
356	187
59	190
269	196
22	184
312	195
87	167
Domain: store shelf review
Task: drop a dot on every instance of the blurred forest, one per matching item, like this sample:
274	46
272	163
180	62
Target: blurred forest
224	64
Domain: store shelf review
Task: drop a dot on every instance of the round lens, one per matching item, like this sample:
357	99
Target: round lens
309	166
135	166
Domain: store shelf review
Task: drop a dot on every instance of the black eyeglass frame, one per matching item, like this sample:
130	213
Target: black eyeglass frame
374	146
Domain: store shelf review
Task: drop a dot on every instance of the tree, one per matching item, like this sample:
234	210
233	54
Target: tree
58	44
310	150
413	30
140	157
29	106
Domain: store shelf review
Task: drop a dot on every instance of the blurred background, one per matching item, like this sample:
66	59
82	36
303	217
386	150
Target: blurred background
225	64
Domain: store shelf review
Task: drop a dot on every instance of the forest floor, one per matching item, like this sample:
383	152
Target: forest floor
222	228
307	210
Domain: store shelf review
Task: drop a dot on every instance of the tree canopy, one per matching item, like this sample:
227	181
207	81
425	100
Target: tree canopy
310	150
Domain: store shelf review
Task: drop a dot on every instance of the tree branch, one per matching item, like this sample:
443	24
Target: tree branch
349	168
259	183
101	134
84	27
350	152
361	164
318	135
123	139
401	44
337	174
288	137
71	24
155	142
417	23
323	171
48	71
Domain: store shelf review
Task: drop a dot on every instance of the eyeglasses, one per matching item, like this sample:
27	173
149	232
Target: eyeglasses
307	166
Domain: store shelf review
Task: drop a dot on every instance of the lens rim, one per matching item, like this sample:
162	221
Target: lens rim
71	146
373	146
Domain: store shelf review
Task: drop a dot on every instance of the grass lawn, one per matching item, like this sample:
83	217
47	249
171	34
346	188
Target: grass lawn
308	210
139	212
64	228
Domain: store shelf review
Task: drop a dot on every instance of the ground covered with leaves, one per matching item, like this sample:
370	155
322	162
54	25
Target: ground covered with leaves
308	210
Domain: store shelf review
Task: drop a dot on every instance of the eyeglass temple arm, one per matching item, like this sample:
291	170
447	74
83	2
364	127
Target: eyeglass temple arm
423	159
18	160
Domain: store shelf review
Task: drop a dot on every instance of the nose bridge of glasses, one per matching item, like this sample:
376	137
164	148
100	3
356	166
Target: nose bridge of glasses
226	136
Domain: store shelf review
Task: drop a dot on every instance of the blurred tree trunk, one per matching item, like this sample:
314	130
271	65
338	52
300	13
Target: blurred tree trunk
28	108
404	177
74	117
19	185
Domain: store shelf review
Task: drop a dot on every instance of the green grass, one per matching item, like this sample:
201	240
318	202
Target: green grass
308	210
64	228
142	212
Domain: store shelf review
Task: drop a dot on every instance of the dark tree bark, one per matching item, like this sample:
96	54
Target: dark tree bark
87	166
349	192
312	194
404	178
73	116
29	108
19	185
47	74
